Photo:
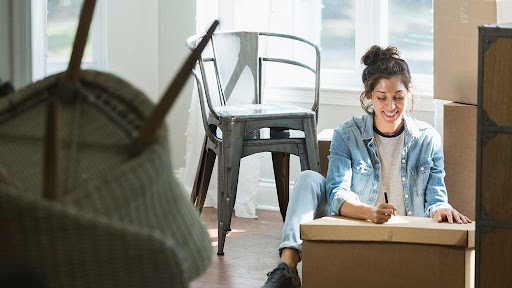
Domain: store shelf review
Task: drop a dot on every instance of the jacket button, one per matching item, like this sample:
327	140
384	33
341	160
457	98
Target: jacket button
422	168
403	160
406	196
403	179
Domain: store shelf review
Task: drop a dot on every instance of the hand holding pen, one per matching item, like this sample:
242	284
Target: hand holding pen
383	212
387	202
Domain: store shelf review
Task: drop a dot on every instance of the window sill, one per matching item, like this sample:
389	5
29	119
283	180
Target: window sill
332	96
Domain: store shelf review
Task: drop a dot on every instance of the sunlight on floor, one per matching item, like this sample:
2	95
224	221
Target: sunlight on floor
213	234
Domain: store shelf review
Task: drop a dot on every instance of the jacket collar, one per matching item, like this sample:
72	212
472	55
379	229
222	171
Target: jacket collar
411	128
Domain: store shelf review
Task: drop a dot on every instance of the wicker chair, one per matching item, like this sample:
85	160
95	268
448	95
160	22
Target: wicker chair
121	221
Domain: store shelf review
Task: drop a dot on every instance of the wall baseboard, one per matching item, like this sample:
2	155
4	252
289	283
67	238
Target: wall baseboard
267	195
267	208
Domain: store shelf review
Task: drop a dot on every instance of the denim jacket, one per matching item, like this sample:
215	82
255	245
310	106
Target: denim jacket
354	167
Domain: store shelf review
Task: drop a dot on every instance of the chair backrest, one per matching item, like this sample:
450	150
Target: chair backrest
236	66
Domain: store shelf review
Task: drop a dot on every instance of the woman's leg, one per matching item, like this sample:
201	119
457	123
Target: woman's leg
307	202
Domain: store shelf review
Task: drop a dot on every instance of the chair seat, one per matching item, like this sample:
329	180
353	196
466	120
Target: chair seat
270	111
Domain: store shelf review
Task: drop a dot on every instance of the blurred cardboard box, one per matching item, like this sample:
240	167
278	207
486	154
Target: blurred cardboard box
456	44
405	252
456	47
459	145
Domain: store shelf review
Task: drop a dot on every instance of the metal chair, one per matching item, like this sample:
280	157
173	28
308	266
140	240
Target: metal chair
247	125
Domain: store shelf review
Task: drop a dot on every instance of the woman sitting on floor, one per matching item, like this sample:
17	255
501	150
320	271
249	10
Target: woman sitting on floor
386	150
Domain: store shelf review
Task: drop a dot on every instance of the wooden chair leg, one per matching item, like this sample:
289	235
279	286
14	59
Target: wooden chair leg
205	180
281	162
199	173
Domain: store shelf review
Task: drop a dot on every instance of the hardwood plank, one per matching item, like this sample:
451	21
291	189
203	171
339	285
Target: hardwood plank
251	251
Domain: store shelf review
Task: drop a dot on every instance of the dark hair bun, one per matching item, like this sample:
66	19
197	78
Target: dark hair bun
376	53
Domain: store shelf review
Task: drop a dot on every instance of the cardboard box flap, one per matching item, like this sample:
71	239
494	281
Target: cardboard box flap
400	229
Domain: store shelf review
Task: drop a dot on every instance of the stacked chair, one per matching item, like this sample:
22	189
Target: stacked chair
248	125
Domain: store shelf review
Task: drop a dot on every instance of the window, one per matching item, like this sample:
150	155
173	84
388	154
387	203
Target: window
54	24
344	29
338	34
410	26
350	27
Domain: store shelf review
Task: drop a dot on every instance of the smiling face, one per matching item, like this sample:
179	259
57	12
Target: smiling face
389	99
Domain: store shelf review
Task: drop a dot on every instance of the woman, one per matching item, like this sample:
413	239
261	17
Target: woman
384	151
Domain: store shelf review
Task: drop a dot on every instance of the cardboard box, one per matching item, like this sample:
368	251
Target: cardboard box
459	147
324	144
405	252
456	47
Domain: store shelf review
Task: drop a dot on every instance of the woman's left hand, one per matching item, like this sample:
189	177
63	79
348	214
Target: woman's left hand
449	214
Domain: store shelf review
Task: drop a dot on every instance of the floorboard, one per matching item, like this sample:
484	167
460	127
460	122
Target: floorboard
250	251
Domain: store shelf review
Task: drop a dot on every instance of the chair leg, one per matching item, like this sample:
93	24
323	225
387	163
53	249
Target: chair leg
311	144
303	157
230	155
281	162
199	174
221	200
205	180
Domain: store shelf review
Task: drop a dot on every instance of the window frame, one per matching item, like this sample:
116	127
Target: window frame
41	67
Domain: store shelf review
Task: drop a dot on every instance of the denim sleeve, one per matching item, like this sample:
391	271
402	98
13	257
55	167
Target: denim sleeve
436	195
339	174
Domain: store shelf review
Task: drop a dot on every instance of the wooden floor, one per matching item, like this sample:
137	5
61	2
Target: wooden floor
250	251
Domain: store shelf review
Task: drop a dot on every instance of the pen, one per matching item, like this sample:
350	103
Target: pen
386	197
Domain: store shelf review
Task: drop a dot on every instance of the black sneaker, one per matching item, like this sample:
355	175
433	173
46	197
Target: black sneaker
282	277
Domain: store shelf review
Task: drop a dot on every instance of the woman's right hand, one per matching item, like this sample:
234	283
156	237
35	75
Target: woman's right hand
382	213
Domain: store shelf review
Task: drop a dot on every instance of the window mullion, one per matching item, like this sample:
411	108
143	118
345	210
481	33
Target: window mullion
381	22
39	48
365	32
20	34
99	37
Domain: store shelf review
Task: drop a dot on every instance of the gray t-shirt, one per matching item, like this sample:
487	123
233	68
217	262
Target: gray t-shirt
389	149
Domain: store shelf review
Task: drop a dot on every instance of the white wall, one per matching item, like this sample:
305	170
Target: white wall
177	22
146	47
132	43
